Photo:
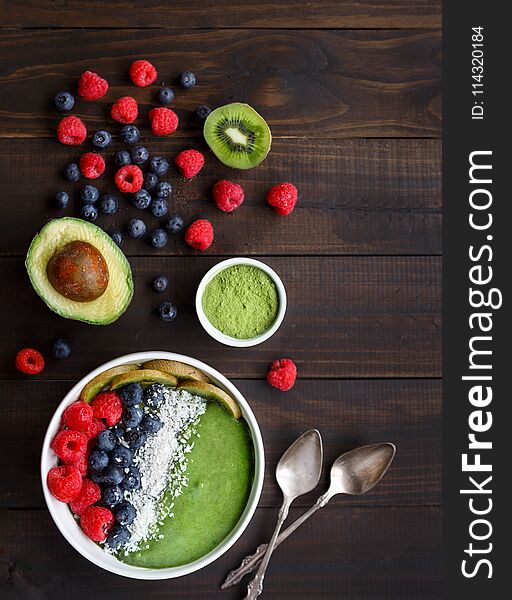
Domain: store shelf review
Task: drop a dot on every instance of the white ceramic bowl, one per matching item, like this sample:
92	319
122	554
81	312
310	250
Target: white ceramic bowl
69	527
226	339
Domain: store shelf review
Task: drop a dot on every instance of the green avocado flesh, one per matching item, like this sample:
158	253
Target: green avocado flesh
119	291
220	473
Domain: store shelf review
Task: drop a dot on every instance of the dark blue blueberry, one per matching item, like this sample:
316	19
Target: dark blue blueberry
108	204
135	438
64	101
72	172
131	479
153	395
122	158
112	475
101	139
118	431
89	212
96	477
158	238
187	79
139	155
121	456
151	424
174	223
130	134
163	189
158	207
118	536
61	348
98	460
118	237
160	284
61	199
150	181
111	495
167	311
202	112
125	513
131	394
141	199
132	416
106	440
165	95
89	194
136	228
159	165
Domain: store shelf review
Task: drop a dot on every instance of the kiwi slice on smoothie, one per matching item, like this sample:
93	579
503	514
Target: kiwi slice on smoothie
176	368
143	376
102	380
238	135
212	392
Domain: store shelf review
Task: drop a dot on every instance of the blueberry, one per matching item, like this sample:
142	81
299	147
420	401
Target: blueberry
174	223
153	395
141	199
151	424
132	416
118	237
118	536
111	495
131	479
61	348
121	456
136	438
64	101
112	475
160	284
165	95
106	440
61	199
131	394
150	181
167	311
98	460
159	165
72	172
122	158
163	189
89	194
125	513
130	134
158	238
101	139
89	212
136	228
202	112
187	79
108	204
118	431
97	477
139	155
158	207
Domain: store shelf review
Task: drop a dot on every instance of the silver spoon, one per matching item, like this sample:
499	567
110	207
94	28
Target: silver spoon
297	473
354	473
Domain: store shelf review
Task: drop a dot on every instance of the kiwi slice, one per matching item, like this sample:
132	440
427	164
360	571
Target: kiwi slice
238	136
102	380
212	392
176	368
143	376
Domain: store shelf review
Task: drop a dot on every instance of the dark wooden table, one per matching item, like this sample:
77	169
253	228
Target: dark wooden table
352	94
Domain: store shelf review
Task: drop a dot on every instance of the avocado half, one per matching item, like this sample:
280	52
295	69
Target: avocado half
119	290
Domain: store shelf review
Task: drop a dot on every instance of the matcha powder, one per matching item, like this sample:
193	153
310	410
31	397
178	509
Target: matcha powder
241	301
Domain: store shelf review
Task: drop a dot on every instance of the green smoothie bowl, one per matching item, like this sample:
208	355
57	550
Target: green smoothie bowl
152	465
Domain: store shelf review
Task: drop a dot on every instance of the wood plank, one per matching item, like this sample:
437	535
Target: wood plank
305	83
347	317
356	197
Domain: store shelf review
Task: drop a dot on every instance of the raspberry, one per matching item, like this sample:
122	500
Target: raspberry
163	121
95	426
29	361
64	482
69	445
189	162
81	464
90	493
91	86
200	234
92	165
71	131
77	416
125	110
108	406
96	522
129	178
142	73
282	198
227	195
282	374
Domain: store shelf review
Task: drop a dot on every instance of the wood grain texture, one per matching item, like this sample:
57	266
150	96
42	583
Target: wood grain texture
305	83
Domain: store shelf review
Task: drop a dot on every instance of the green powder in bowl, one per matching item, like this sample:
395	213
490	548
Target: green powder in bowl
241	301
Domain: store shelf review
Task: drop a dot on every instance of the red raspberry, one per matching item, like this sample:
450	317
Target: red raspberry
90	493
189	162
71	131
142	73
77	416
129	178
64	482
29	361
108	406
69	445
91	86
282	374
96	522
163	121
81	464
125	110
92	165
94	428
200	234
227	195
282	198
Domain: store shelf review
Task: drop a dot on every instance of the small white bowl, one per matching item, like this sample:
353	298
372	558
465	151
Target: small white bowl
222	337
69	527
